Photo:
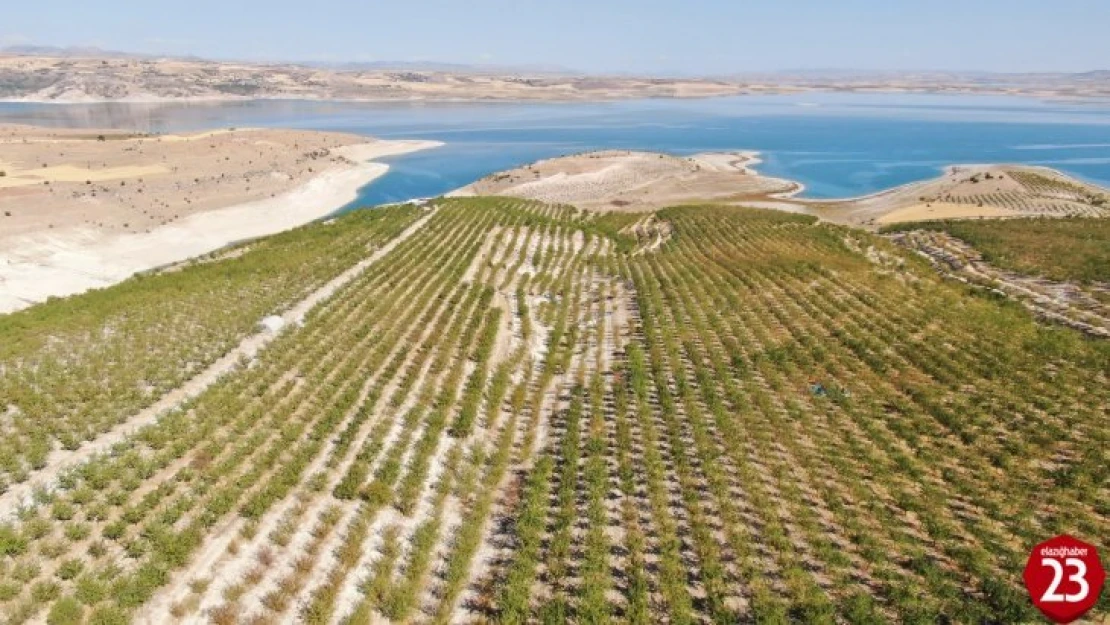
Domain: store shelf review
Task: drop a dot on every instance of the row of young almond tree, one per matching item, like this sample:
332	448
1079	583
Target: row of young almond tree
364	419
522	413
797	434
74	368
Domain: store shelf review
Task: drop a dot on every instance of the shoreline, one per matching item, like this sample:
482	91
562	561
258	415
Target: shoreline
39	265
614	180
742	91
634	180
57	263
945	170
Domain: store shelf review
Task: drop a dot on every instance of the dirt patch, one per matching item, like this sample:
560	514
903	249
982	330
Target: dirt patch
944	210
78	212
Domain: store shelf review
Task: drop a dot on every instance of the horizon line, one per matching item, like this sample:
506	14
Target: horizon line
77	51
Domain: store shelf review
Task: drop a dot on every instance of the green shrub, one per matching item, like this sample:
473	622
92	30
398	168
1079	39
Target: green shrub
9	590
12	542
70	568
108	615
65	611
62	510
90	589
42	592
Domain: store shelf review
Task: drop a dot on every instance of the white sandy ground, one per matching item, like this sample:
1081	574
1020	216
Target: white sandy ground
71	260
60	459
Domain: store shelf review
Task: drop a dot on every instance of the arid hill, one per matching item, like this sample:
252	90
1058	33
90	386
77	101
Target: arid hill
139	79
81	208
92	75
629	181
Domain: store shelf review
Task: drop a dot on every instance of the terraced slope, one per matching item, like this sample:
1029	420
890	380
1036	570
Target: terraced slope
520	412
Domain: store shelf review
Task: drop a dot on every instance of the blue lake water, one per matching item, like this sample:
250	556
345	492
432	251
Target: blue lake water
838	145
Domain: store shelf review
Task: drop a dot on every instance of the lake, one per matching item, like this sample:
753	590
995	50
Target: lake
839	145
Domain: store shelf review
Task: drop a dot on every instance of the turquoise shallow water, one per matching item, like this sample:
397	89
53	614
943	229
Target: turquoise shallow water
838	145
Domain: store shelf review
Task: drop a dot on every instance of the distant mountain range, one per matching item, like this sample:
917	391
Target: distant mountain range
435	66
817	73
85	52
31	50
414	66
83	74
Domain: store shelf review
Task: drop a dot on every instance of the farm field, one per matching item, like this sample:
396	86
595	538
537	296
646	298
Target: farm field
975	192
1061	248
1059	268
498	410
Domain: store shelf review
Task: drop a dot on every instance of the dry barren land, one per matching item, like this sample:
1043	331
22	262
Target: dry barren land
80	209
85	77
634	181
95	79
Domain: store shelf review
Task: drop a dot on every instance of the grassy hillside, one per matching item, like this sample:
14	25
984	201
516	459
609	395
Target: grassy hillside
525	412
1070	248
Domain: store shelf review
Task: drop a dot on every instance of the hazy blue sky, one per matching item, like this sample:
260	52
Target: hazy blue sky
664	36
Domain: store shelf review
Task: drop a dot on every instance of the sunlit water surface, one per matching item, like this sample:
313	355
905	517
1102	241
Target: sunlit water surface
838	145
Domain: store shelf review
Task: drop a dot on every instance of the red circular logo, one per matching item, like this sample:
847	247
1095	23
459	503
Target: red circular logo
1064	576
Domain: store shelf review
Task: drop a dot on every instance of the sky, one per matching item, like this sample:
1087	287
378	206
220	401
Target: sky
666	37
